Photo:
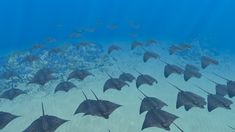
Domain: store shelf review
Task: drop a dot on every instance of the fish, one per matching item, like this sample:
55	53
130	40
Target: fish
79	74
188	99
149	103
45	123
145	79
113	48
216	101
159	118
99	108
42	77
178	48
171	68
136	44
206	61
114	83
12	93
150	55
64	86
6	118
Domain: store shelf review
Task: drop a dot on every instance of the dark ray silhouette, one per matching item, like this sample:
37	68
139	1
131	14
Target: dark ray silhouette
178	48
136	44
206	61
145	79
64	86
87	107
231	89
113	48
159	118
42	76
79	74
149	103
221	89
216	101
12	93
114	83
45	123
188	99
150	55
171	69
105	107
126	77
6	118
230	86
190	72
100	108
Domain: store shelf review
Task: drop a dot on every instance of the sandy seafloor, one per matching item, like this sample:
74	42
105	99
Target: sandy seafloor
126	118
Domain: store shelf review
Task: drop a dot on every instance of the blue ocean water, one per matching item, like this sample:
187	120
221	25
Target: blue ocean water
26	22
44	43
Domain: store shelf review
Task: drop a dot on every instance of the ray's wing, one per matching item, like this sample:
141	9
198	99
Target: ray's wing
110	106
6	118
87	106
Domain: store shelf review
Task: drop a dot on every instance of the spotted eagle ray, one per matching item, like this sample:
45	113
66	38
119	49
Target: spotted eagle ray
150	55
100	108
221	89
126	77
45	123
159	118
12	93
216	101
42	76
191	71
230	86
188	99
6	118
145	79
206	61
178	48
171	68
149	103
113	48
114	83
136	44
64	86
79	74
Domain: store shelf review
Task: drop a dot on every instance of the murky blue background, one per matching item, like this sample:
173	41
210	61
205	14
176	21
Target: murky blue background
26	22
